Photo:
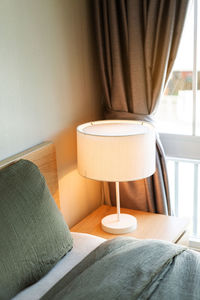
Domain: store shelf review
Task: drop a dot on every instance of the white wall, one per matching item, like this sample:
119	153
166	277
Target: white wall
49	85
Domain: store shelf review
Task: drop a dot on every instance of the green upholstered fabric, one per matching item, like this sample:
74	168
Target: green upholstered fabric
128	269
33	233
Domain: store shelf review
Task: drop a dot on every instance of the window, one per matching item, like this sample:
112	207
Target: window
178	121
175	114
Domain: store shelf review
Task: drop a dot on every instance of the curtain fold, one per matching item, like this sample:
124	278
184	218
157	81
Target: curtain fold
137	44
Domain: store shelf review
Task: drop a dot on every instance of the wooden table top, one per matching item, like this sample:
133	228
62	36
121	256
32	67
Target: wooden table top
150	225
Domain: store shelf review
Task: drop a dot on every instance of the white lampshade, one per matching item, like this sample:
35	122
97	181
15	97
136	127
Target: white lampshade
116	150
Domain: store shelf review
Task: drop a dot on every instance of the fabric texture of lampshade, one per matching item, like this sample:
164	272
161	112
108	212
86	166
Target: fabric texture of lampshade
116	150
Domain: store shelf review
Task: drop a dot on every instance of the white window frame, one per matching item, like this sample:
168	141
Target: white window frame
187	147
181	146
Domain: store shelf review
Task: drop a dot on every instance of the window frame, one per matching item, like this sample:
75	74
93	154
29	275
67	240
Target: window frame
179	147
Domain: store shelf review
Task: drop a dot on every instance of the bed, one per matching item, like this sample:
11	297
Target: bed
68	265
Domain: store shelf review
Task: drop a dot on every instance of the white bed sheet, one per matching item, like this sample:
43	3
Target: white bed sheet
83	245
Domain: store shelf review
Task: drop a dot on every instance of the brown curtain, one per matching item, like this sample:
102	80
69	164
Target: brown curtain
137	44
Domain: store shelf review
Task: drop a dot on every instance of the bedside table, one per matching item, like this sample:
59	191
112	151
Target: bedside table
150	225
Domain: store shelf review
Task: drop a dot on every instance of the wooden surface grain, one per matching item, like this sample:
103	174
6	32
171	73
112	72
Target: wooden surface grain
150	226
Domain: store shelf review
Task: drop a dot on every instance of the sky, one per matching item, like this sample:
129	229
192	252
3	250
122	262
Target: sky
184	60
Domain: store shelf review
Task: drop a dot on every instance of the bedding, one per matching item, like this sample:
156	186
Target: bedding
33	235
125	268
83	244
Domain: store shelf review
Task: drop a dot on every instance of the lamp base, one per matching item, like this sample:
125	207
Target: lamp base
127	223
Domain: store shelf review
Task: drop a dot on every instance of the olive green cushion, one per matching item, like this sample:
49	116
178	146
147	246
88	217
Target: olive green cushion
33	233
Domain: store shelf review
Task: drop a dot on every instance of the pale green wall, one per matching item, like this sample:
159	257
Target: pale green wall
48	85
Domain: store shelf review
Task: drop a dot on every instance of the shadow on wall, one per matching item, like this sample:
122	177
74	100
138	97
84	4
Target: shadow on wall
78	196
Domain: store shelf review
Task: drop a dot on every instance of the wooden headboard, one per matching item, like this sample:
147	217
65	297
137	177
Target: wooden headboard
44	156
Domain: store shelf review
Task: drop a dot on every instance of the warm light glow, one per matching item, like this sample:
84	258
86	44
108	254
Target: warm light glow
116	150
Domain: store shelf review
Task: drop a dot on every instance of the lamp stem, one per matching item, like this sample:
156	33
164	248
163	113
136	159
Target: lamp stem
117	200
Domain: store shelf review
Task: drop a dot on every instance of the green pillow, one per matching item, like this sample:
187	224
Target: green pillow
33	233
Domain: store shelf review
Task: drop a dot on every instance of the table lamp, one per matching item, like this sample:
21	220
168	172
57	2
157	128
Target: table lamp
116	151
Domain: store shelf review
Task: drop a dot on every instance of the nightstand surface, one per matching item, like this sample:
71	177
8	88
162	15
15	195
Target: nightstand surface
150	225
